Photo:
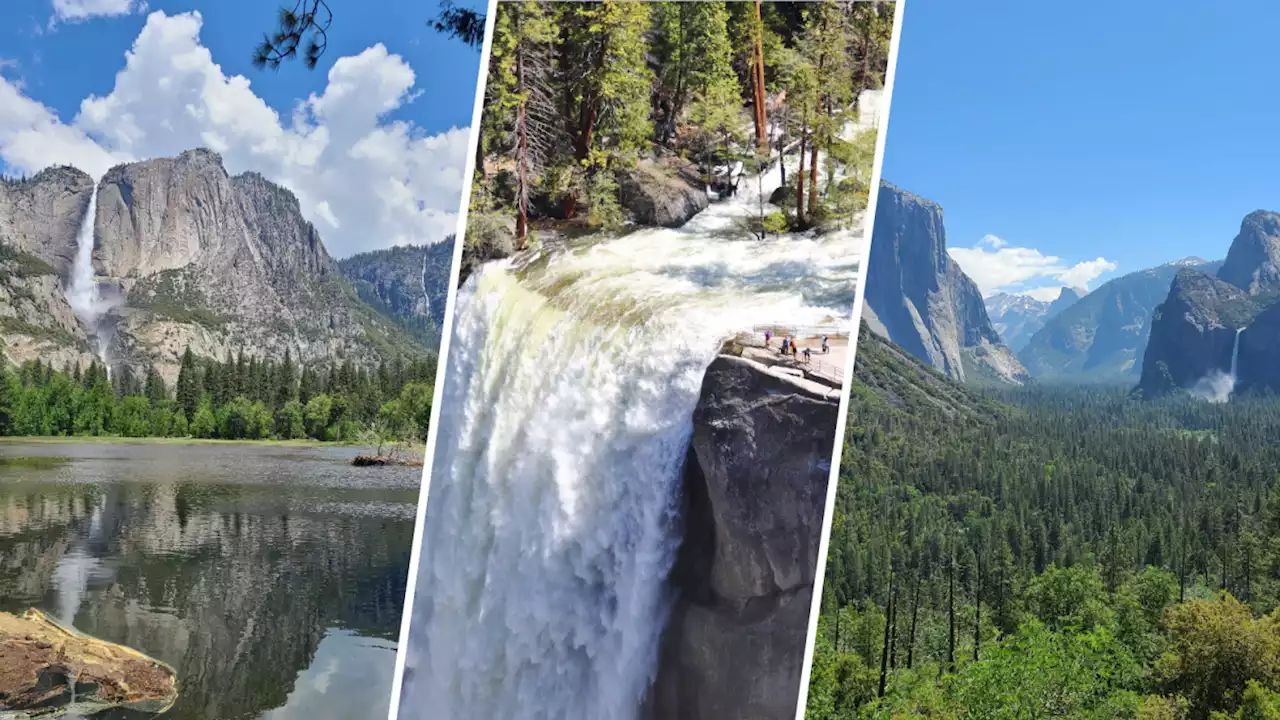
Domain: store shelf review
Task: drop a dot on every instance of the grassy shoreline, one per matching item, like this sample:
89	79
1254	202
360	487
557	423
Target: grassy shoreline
121	440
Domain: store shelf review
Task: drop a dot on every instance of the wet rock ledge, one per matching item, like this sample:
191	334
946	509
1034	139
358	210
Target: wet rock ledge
755	489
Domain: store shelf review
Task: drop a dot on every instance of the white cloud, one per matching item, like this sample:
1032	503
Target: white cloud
365	181
995	266
76	10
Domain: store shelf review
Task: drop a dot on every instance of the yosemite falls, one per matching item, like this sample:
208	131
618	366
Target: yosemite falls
553	513
84	295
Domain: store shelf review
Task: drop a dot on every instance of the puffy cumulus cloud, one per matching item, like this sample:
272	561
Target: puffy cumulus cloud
365	181
75	10
995	266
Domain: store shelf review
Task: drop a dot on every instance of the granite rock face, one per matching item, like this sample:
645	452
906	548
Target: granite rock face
924	301
1194	331
656	195
1253	262
755	490
41	215
191	256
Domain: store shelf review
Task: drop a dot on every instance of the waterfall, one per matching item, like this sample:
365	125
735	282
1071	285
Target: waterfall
552	515
83	295
1235	357
1217	386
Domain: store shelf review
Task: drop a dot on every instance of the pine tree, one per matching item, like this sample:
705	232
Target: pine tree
188	389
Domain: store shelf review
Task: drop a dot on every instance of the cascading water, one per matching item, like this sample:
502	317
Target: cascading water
84	295
1217	386
1235	357
552	516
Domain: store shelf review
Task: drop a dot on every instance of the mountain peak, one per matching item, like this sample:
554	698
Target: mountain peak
1253	262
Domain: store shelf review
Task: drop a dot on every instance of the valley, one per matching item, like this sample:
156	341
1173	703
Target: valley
1082	529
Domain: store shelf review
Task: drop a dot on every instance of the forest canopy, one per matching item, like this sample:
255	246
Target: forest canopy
1049	552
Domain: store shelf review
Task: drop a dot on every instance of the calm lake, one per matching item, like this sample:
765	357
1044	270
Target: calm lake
271	578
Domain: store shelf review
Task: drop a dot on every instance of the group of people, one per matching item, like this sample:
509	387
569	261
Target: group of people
789	346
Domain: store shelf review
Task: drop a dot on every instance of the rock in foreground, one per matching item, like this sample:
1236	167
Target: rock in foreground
755	490
49	671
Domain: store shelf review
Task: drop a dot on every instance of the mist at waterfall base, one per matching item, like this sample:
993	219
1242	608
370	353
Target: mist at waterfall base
553	513
84	295
1217	386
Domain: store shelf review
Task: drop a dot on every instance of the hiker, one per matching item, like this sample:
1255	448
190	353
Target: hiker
784	345
794	349
825	347
767	337
806	356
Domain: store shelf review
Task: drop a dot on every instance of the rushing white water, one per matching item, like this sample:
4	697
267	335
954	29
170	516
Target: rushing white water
84	296
1217	386
552	519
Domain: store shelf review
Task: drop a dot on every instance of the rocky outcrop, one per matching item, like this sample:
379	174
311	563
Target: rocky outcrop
1253	262
1102	336
49	671
755	489
41	215
195	257
923	300
661	194
1193	331
1066	298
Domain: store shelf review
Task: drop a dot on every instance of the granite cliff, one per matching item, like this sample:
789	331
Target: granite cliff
190	256
1194	332
919	298
755	491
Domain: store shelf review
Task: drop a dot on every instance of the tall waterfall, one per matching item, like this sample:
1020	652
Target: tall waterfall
83	295
552	515
1217	386
1235	357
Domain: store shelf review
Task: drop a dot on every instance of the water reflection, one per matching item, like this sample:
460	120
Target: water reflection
271	579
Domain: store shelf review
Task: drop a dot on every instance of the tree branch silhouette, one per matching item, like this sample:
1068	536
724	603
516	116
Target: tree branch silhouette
304	29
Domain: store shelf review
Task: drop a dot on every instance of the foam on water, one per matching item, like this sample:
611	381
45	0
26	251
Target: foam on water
552	520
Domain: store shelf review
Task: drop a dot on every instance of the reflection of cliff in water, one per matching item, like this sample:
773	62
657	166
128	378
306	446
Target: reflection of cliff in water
235	586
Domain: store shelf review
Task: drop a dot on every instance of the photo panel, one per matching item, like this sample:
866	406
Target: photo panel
630	463
224	264
1057	496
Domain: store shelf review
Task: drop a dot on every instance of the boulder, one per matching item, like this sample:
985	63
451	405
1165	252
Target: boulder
660	194
490	236
755	490
50	671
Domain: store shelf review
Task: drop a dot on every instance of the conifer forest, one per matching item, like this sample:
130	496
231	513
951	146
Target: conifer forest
588	104
1049	552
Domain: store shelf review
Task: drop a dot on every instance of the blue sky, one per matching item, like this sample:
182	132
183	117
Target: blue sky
1138	133
378	163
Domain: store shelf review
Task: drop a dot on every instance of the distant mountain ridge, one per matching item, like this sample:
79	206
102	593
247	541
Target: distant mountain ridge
919	298
1102	336
409	284
1016	317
